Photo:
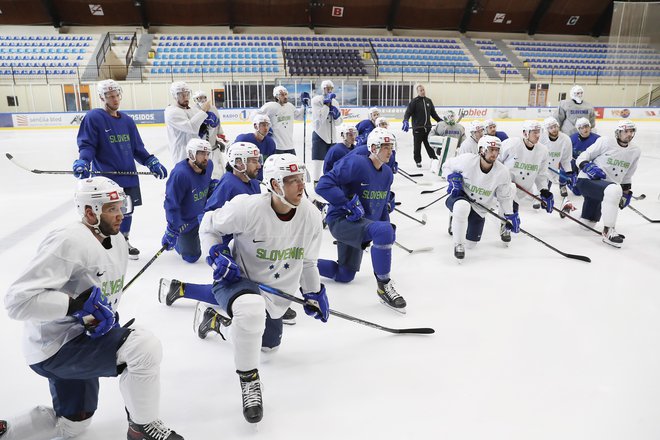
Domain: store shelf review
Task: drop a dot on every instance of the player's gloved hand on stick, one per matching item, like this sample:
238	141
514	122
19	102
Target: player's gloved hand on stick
406	126
593	171
391	202
455	184
547	200
93	302
81	169
327	99
170	238
305	99
334	112
223	264
316	304
513	222
156	168
211	119
354	208
625	199
572	183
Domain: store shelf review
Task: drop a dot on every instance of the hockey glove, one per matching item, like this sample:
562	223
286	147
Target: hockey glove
334	112
625	199
406	126
593	171
513	222
170	238
158	170
223	138
96	305
565	177
81	169
354	208
547	200
316	304
211	120
305	99
572	184
212	186
391	202
327	99
224	267
455	187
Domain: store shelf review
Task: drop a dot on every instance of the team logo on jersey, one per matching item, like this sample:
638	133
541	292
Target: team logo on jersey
293	253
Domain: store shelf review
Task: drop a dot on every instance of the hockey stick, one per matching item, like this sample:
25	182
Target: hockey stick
567	255
13	160
431	191
411	174
561	213
645	217
422	221
398	331
149	263
411	179
562	174
304	134
412	251
435	201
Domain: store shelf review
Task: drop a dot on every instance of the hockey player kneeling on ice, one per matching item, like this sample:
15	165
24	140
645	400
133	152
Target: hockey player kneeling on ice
277	236
583	139
605	179
527	161
261	137
559	159
483	179
365	126
68	299
186	193
358	191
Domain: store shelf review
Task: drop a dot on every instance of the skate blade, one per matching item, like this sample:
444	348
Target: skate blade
199	316
402	310
163	289
614	245
133	257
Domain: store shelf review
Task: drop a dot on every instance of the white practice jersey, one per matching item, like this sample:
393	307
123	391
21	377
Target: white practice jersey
456	131
68	262
280	254
619	163
469	146
526	166
480	186
282	118
560	152
182	125
324	125
569	111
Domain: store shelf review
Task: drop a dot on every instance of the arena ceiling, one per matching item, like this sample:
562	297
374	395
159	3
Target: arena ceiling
582	17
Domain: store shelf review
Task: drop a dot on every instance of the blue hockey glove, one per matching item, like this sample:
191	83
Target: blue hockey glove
625	199
455	187
305	99
391	202
406	126
99	308
81	169
547	200
223	264
327	99
334	112
513	222
354	208
156	168
565	177
316	304
170	238
211	120
572	184
593	171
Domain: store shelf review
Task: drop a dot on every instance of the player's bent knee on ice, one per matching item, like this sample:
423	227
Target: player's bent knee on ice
381	233
71	429
461	209
142	352
249	313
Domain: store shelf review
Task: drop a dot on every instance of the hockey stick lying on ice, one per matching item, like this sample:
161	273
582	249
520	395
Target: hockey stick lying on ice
410	174
431	191
572	256
36	171
422	221
562	174
411	251
561	212
435	201
412	180
645	217
397	331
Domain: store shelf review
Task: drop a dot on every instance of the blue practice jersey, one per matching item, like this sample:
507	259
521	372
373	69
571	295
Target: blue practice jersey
580	144
501	135
363	150
185	195
363	128
336	152
229	187
266	146
357	176
111	144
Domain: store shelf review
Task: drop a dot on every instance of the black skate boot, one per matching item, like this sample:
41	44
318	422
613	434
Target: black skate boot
505	233
389	296
3	427
207	319
133	253
563	191
170	290
613	238
155	430
253	409
459	252
289	317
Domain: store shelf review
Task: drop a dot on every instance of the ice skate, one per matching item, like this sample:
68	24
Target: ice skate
3	427
611	237
505	234
133	253
449	227
459	252
169	291
563	191
155	430
566	208
253	410
207	320
289	317
389	296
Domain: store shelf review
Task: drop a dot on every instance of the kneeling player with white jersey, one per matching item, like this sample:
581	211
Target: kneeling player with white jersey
277	236
527	161
470	145
479	178
68	299
560	151
605	179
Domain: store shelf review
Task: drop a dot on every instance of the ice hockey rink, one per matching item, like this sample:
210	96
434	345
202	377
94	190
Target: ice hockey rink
528	344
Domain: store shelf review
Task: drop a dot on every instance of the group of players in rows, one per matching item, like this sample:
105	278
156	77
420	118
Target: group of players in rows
258	241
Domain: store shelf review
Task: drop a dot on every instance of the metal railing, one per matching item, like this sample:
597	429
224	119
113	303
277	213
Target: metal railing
100	57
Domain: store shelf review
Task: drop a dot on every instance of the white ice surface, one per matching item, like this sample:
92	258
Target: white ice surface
528	344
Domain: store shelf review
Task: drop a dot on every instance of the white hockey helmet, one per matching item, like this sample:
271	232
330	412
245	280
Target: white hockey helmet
279	166
550	122
382	120
490	123
194	145
476	126
258	118
345	128
582	122
279	89
625	124
372	111
96	192
199	94
327	84
576	94
106	86
489	142
242	151
379	136
530	125
179	87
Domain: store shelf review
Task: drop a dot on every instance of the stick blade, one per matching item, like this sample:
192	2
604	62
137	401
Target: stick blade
415	331
578	257
9	156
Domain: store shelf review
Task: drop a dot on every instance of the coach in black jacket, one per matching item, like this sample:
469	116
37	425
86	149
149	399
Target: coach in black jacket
421	109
